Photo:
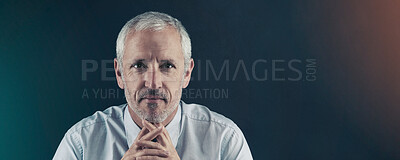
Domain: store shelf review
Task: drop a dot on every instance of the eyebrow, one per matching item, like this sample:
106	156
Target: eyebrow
162	61
168	60
138	60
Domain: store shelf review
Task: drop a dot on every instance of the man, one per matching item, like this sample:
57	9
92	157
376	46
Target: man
153	64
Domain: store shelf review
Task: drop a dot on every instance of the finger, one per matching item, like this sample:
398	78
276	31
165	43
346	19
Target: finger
163	138
148	125
149	158
140	135
152	152
152	134
142	132
165	132
166	136
158	124
150	145
128	157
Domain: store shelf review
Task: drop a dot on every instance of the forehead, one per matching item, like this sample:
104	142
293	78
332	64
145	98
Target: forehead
145	44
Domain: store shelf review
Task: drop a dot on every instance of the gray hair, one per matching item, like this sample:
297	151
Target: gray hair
154	21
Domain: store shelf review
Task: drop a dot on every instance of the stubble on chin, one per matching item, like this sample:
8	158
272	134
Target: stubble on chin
151	111
153	114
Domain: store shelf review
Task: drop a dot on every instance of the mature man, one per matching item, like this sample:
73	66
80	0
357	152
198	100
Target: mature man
153	64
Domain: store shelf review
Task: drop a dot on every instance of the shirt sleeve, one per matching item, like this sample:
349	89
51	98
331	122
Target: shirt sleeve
236	147
69	148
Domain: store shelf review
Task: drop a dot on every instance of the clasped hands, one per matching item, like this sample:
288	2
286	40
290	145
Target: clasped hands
144	148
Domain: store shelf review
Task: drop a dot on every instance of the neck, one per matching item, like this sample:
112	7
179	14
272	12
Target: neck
138	120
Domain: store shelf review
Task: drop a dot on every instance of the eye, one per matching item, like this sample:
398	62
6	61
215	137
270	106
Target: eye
139	65
167	66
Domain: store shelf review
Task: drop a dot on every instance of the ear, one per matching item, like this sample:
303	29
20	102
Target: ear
188	74
118	74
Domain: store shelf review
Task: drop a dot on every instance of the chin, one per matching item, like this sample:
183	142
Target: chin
156	117
154	112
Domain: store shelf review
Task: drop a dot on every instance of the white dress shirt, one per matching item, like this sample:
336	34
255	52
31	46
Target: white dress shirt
195	131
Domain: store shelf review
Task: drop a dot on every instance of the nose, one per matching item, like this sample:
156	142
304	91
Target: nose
153	78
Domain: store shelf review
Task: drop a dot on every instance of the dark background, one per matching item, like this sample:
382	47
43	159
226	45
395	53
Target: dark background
351	111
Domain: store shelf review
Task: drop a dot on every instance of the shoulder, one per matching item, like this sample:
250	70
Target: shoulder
99	118
79	138
202	114
210	127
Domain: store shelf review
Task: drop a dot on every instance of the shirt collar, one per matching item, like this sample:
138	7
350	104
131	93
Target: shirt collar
132	130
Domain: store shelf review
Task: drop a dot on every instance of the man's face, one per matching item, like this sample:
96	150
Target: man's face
153	73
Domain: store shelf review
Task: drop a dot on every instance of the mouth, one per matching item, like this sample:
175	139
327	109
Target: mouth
152	99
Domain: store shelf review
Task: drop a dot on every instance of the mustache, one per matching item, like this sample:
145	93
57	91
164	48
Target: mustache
152	92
